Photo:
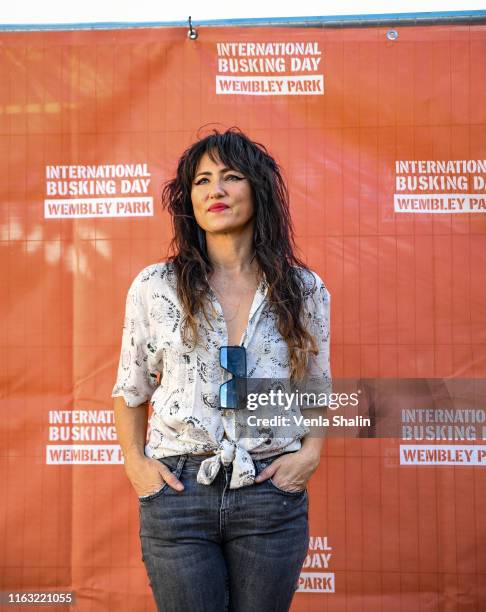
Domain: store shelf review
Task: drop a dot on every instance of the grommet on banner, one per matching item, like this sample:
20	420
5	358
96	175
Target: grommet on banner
192	34
392	34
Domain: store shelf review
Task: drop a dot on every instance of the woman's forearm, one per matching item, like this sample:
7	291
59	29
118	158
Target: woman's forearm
131	427
312	445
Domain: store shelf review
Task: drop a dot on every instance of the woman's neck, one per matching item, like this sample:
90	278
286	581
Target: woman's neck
229	256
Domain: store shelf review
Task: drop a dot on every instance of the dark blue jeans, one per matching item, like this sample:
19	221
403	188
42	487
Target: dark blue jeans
215	549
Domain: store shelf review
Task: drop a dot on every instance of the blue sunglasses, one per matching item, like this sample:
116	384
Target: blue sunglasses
233	392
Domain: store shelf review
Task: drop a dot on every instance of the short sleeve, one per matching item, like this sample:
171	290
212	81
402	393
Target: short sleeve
317	305
135	381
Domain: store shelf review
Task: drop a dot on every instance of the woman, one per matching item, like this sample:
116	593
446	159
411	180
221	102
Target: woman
223	518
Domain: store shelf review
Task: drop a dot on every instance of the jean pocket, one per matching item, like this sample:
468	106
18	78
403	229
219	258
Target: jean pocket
262	464
175	464
146	498
292	493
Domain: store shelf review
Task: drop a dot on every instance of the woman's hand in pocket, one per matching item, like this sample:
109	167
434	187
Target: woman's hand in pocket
149	475
291	471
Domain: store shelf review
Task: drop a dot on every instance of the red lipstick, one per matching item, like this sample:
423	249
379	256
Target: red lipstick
217	207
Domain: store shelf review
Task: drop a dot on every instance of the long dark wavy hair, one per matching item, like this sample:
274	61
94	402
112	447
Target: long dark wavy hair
273	239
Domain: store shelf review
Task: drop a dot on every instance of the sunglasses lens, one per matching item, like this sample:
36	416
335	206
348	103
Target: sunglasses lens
227	395
233	359
223	357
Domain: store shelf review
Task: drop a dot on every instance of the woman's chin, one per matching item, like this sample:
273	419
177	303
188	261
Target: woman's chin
226	226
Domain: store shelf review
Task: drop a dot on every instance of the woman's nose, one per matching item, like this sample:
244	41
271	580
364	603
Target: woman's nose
217	189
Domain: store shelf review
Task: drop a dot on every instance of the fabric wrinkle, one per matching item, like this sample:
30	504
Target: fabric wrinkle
228	454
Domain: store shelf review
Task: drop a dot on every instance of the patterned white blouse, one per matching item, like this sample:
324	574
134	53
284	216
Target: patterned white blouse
185	416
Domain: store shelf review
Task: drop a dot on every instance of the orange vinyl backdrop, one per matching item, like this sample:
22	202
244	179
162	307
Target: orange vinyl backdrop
408	289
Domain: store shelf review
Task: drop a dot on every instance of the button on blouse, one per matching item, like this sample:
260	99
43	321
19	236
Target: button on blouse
185	417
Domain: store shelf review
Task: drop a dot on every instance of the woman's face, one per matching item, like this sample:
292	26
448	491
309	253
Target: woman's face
221	197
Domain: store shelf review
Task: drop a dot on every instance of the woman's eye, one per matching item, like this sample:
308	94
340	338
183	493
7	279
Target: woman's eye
228	177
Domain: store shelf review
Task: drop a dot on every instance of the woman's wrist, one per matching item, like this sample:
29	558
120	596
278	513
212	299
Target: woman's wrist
133	453
311	449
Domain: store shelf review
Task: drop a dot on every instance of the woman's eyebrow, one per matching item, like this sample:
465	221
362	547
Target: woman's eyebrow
209	173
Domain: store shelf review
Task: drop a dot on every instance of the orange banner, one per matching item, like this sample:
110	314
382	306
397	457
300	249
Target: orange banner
383	145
